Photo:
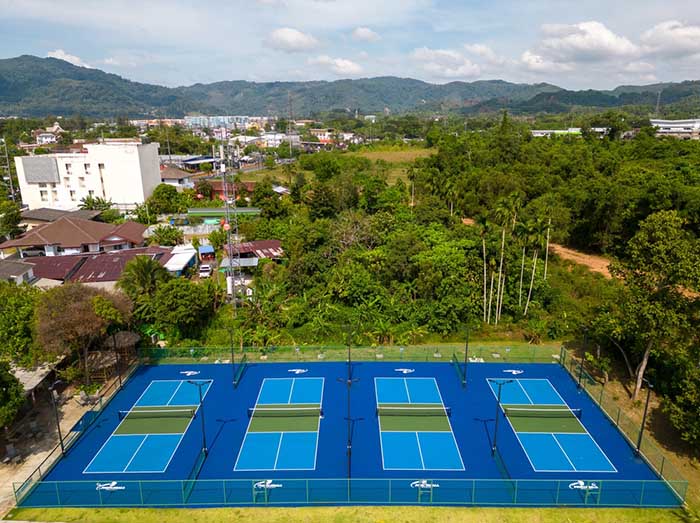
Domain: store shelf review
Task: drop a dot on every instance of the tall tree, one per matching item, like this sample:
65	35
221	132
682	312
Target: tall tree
662	264
10	216
67	321
140	280
11	395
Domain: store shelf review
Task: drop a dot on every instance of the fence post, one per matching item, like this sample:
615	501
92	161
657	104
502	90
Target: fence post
617	421
641	494
141	491
556	502
663	462
390	488
58	495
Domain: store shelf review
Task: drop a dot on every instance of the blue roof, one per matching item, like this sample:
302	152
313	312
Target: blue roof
206	249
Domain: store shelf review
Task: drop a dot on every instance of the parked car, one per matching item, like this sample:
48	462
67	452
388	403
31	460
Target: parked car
204	271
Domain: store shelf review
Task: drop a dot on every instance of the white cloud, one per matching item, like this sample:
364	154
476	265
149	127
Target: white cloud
485	52
339	66
672	39
365	34
445	63
584	42
639	67
538	64
70	58
291	40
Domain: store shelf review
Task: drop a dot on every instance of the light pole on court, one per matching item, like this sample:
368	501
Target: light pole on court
199	385
500	384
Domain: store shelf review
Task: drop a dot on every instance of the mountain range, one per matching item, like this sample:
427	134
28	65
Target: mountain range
33	86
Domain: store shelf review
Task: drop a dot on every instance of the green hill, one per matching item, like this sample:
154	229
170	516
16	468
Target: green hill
32	86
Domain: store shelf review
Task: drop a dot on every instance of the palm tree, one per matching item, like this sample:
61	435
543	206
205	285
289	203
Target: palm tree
546	249
141	277
484	229
536	236
513	204
492	264
521	233
502	215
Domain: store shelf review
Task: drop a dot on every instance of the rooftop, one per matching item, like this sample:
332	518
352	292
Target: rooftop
45	214
12	269
73	232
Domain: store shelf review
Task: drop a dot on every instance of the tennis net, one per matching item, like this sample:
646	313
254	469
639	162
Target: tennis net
156	413
272	412
525	412
414	411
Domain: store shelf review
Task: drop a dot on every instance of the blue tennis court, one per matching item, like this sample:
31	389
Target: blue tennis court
414	427
149	434
282	433
549	432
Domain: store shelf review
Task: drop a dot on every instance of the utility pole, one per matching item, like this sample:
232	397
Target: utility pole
290	123
5	159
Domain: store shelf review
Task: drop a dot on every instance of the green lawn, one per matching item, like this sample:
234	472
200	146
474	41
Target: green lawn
355	515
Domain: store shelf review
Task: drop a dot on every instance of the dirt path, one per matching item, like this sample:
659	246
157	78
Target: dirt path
594	263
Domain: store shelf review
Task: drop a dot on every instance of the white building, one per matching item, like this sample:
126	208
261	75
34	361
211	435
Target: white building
273	139
124	171
686	129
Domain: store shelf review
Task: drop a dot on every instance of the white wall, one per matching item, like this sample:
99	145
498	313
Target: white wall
130	173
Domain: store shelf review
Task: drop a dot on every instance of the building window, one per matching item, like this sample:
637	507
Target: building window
101	167
66	181
44	196
42	185
54	194
87	168
91	193
81	182
68	169
72	195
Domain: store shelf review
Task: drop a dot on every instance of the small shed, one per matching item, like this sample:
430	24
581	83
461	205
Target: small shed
206	252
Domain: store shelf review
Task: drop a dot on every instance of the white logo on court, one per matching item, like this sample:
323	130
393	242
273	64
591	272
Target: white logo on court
582	485
298	371
405	371
111	486
267	484
189	372
514	372
424	483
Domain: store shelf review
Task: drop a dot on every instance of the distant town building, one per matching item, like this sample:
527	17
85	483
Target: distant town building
48	135
158	122
571	131
124	171
683	129
273	139
241	123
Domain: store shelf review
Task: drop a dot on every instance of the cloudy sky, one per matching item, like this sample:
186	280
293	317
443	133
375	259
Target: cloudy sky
576	44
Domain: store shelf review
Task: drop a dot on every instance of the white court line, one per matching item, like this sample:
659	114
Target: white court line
420	452
524	392
136	451
408	394
449	423
277	454
173	394
291	389
563	451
